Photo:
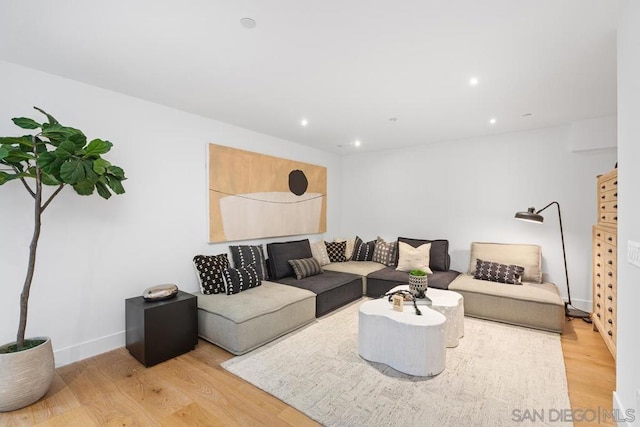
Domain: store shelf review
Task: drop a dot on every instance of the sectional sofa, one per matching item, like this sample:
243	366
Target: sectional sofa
244	321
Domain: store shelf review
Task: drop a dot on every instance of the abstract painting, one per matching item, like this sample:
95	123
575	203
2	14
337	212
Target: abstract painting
254	196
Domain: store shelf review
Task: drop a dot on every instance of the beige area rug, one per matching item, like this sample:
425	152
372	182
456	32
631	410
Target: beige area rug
499	375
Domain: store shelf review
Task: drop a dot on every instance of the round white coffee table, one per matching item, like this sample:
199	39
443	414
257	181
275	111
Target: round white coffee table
449	303
403	340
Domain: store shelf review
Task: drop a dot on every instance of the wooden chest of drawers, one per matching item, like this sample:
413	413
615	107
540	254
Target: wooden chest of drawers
605	260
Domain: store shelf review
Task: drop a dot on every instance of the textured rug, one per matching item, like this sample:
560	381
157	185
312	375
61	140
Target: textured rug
498	375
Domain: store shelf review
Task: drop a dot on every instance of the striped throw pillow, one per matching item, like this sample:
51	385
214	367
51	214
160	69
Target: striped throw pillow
305	267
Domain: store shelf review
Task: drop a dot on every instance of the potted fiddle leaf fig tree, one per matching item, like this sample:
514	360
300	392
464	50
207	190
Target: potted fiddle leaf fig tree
54	156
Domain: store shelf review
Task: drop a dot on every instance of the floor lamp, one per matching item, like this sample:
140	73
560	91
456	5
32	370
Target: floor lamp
534	216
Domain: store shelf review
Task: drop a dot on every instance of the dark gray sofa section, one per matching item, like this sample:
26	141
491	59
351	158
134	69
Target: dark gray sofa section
381	281
332	289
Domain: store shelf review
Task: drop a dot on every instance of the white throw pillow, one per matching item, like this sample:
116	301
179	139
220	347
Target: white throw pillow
411	258
319	252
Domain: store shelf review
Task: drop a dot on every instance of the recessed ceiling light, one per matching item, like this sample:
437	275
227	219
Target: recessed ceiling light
492	121
248	23
357	143
473	81
304	122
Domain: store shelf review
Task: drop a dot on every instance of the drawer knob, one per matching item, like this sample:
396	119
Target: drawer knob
610	262
615	206
615	218
598	294
610	286
598	244
603	187
615	183
597	285
610	333
604	217
615	194
610	322
602	197
598	314
598	264
610	298
610	251
598	234
610	238
610	310
602	207
610	274
598	305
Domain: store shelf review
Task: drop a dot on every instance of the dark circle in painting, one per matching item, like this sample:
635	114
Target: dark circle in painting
298	182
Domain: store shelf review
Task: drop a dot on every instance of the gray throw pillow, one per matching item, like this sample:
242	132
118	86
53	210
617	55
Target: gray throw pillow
305	267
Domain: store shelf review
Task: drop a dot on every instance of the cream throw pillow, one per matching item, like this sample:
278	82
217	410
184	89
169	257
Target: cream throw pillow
411	258
319	252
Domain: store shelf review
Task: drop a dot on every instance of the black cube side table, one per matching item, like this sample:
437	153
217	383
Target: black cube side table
160	330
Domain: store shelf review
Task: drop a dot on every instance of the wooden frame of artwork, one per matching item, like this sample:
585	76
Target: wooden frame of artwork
253	196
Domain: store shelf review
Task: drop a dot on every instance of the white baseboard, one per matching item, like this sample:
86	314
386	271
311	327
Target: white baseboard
585	305
65	356
623	419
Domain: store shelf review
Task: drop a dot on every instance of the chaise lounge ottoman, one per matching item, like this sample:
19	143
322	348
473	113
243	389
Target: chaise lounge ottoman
533	303
246	320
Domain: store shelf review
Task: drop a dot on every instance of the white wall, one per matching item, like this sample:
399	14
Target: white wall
95	253
628	341
469	190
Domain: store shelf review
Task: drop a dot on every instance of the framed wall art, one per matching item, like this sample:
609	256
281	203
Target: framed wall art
253	196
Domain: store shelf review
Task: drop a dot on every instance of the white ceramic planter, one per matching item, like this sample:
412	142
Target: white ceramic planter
25	376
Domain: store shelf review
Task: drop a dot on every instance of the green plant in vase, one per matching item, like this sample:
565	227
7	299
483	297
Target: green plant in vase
53	156
418	282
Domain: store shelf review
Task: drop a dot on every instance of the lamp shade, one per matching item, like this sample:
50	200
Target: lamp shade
530	215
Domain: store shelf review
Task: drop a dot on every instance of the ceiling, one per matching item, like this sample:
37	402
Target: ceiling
348	67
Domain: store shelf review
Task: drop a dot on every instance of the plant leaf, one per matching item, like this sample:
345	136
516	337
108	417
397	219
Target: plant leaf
98	147
72	172
4	152
26	123
52	119
115	184
103	190
100	166
65	150
116	171
22	140
48	179
84	188
4	177
78	139
50	164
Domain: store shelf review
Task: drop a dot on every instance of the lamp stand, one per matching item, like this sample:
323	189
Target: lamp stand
576	313
569	310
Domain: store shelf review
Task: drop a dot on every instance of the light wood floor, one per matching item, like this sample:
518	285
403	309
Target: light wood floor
114	389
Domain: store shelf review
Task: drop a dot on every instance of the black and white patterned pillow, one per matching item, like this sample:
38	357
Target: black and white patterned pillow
209	271
336	250
240	279
363	251
305	267
244	255
496	272
385	252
